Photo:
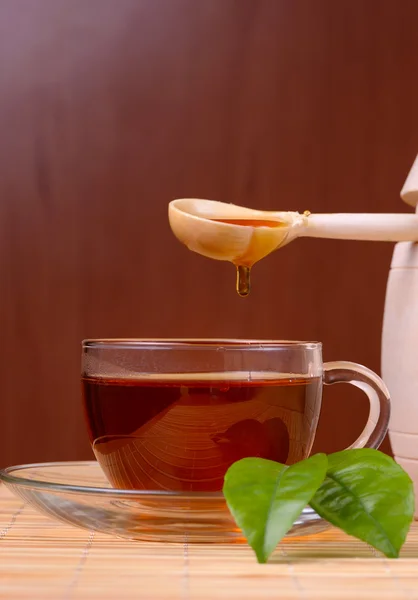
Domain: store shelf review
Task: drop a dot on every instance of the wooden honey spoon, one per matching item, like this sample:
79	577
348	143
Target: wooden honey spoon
244	236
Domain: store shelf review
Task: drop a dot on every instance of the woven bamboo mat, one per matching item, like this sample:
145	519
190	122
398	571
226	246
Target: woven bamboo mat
42	559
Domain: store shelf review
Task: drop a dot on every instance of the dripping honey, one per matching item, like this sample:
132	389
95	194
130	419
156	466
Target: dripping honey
243	272
243	280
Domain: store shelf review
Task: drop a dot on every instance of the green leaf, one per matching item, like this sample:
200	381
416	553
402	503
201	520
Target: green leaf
265	497
369	496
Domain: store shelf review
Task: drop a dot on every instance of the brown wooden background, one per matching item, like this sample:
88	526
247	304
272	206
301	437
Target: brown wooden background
111	108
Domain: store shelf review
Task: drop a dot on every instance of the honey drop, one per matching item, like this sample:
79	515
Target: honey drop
243	280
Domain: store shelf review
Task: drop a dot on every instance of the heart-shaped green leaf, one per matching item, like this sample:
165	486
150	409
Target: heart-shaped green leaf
265	497
369	496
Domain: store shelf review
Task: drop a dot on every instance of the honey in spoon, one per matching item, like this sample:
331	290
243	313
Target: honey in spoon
250	222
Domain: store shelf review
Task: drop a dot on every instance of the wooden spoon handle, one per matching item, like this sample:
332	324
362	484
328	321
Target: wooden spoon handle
373	227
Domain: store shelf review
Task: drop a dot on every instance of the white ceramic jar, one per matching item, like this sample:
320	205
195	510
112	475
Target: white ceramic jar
399	346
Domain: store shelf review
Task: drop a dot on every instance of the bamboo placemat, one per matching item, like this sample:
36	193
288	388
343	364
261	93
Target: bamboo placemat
41	559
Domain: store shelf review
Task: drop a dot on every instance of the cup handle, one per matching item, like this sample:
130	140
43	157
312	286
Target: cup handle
377	393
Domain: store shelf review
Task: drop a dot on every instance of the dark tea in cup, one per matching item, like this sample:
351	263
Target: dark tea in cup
174	415
183	433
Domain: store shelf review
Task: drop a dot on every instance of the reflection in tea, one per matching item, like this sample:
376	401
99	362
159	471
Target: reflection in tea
183	432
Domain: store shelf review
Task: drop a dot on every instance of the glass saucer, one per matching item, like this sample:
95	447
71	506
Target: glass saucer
78	493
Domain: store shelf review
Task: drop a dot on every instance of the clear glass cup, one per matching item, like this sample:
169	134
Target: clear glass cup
174	414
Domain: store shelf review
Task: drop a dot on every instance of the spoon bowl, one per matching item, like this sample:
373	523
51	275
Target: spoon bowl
229	232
